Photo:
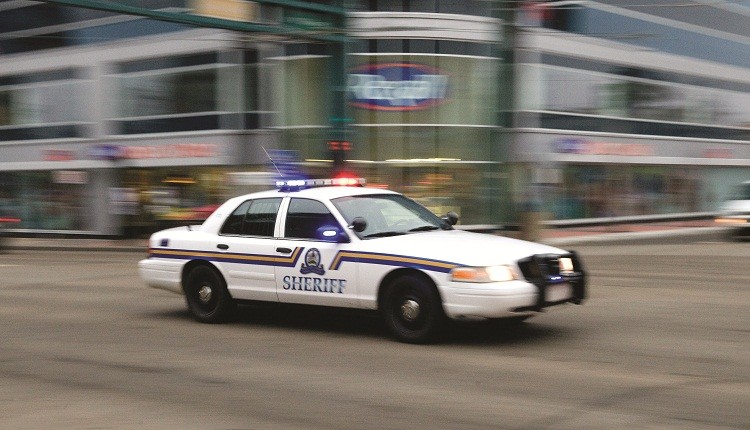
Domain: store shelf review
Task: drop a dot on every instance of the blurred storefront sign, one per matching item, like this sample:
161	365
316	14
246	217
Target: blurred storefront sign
74	177
139	152
397	87
284	164
717	153
591	147
58	155
105	152
180	150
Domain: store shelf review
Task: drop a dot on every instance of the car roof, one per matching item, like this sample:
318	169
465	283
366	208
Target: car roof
324	193
319	193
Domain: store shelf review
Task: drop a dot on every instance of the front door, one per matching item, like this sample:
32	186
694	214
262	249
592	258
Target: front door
311	226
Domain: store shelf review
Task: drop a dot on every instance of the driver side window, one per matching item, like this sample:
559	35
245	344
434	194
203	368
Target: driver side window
305	218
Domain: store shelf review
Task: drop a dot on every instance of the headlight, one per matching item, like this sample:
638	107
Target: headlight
483	274
566	265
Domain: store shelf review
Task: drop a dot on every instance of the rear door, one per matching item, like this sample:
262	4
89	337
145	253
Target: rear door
246	251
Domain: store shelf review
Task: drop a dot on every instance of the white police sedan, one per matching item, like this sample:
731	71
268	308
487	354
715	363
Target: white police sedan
357	247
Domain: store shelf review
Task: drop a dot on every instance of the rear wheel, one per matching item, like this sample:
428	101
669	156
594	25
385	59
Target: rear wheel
412	309
207	296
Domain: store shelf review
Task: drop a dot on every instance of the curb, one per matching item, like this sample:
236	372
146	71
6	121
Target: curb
676	236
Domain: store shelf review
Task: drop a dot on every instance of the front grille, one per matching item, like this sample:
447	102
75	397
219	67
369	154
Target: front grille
543	270
538	268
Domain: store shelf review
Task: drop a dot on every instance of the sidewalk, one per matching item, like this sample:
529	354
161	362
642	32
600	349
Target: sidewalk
643	233
663	232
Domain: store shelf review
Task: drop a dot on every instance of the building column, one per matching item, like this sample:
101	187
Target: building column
103	219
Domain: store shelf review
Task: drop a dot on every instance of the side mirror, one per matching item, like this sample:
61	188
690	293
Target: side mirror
451	218
358	224
332	234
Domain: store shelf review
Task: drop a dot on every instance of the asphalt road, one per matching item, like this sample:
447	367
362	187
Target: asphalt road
663	343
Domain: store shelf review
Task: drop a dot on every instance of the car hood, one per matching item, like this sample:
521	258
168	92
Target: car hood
460	247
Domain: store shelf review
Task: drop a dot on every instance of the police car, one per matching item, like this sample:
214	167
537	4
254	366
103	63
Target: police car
338	243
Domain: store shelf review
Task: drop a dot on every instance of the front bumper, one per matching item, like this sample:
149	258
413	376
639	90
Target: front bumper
543	286
738	224
544	272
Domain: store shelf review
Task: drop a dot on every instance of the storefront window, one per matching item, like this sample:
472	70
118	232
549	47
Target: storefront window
303	105
151	199
594	191
476	191
54	200
424	124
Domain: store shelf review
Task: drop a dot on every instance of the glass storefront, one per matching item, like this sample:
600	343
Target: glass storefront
471	189
597	191
424	124
56	200
150	199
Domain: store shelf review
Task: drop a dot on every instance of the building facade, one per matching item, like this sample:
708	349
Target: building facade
633	111
118	125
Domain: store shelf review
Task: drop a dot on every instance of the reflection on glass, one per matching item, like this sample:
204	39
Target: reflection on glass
168	93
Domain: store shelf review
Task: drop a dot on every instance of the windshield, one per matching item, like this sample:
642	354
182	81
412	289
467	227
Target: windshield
388	215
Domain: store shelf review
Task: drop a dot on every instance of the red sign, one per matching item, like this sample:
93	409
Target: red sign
59	155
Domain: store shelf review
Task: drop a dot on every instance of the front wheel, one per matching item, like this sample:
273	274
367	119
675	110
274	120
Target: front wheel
207	296
412	310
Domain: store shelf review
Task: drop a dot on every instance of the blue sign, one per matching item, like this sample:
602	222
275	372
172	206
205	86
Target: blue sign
397	87
285	165
106	152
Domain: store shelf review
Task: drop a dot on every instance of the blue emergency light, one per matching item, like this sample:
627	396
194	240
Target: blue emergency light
298	184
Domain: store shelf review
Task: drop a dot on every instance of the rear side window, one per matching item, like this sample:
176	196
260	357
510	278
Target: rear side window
253	218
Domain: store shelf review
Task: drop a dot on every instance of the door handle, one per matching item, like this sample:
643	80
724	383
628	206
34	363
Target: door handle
222	246
284	250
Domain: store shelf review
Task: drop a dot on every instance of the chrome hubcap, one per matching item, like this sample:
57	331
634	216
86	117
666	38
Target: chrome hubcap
204	294
410	310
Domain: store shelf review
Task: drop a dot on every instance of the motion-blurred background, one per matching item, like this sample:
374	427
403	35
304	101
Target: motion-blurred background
119	118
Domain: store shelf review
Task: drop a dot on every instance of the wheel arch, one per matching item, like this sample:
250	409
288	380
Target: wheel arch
190	265
404	271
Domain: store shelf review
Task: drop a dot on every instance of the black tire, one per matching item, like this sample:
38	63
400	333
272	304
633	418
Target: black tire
207	296
412	310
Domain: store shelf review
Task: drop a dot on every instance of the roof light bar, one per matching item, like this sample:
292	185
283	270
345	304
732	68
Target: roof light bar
311	183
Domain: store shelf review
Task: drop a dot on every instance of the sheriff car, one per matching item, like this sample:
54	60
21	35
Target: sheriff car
338	243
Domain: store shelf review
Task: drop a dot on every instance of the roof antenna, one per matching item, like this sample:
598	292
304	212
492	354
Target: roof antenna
271	160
